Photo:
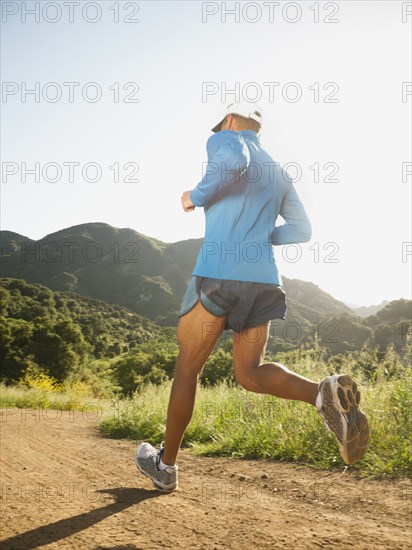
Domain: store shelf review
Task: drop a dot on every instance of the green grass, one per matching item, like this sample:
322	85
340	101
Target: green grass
35	398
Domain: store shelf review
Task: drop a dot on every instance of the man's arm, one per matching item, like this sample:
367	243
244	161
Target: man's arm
297	228
226	167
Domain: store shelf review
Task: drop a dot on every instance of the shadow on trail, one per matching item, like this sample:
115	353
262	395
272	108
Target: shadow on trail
123	498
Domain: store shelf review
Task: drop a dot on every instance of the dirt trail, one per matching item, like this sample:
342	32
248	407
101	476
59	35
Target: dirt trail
64	486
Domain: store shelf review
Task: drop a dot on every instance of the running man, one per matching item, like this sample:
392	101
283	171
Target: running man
236	285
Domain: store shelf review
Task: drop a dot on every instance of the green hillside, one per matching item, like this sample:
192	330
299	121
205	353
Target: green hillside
392	324
109	348
313	297
61	331
146	276
124	267
119	266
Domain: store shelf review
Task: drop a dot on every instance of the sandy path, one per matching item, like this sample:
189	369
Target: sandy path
64	486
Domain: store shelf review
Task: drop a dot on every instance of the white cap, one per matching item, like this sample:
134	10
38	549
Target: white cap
245	109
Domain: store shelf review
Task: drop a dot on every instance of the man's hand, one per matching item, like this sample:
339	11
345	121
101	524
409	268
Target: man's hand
187	204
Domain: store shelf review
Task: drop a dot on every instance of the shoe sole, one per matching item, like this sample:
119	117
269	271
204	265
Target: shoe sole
158	486
344	418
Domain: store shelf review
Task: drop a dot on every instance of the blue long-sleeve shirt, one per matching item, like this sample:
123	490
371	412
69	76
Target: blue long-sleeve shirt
243	192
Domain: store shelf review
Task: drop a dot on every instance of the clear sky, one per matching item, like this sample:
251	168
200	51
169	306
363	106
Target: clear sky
337	113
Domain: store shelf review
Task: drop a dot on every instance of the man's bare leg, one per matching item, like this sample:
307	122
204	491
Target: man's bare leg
253	374
342	415
197	334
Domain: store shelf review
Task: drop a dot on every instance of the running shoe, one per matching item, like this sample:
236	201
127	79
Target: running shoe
147	461
338	404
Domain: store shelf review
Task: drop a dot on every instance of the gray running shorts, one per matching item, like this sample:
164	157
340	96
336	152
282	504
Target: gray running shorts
246	304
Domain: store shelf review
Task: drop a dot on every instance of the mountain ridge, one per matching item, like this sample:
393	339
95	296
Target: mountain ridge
177	246
367	311
125	267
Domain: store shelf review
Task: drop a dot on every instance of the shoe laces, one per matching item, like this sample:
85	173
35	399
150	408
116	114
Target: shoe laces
160	454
